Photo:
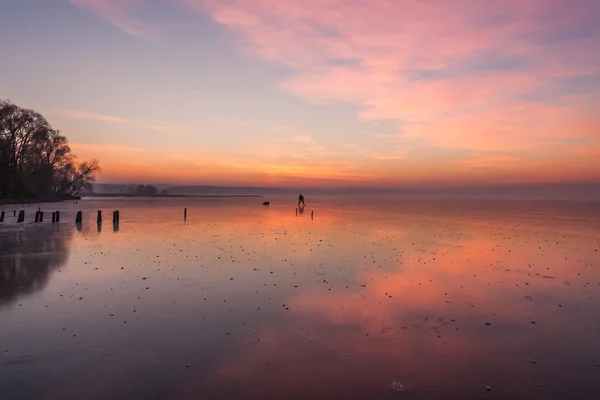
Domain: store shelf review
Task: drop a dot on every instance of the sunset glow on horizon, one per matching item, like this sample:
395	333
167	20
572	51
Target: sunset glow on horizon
343	93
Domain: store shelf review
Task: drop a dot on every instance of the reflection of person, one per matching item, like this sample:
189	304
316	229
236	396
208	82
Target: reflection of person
301	200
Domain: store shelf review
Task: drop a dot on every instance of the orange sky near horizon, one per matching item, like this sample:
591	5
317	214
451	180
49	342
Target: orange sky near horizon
122	165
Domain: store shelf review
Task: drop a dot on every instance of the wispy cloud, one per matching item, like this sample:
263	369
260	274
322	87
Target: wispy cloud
105	147
492	161
302	139
81	114
234	123
293	136
389	136
117	12
397	155
159	128
284	128
150	126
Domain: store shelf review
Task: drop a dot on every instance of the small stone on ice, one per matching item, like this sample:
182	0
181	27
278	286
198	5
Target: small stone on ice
397	386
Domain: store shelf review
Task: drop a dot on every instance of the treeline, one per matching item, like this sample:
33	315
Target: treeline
36	162
106	189
147	190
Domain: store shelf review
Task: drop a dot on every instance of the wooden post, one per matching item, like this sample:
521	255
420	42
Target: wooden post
53	217
37	217
185	214
99	218
78	218
41	216
58	216
312	214
1	216
21	216
14	213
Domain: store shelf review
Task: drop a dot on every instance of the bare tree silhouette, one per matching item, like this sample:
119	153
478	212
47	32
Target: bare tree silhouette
36	160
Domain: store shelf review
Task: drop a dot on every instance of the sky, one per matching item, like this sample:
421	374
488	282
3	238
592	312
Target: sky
343	93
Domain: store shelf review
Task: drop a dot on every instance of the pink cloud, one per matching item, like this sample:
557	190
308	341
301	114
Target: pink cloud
386	34
81	114
106	147
370	54
379	33
117	13
516	126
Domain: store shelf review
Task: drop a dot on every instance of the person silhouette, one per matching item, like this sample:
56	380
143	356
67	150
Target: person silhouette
301	200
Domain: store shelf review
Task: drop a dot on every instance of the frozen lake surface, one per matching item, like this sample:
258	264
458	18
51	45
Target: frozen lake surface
374	298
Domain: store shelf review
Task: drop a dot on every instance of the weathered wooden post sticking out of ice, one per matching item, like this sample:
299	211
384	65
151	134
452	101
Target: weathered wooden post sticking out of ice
79	218
312	214
37	217
1	216
116	217
41	216
99	218
21	216
185	214
58	216
53	216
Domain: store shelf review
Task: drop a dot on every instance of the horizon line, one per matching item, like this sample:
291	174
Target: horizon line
430	187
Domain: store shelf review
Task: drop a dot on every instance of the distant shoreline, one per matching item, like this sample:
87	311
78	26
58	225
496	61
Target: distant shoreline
17	201
167	195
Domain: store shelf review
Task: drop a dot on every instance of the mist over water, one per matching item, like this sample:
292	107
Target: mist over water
373	297
532	191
